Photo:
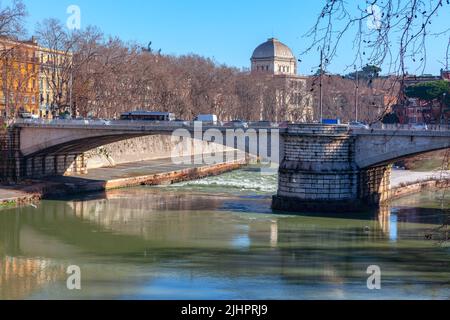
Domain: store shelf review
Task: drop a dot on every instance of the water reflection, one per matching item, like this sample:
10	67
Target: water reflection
147	243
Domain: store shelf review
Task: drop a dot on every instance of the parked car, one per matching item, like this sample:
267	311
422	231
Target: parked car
419	126
358	125
237	124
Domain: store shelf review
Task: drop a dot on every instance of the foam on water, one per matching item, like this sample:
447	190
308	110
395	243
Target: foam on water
247	181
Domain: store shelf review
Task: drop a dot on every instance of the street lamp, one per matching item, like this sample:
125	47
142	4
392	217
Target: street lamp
444	95
356	93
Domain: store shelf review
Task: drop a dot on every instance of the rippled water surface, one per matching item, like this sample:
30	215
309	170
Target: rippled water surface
218	239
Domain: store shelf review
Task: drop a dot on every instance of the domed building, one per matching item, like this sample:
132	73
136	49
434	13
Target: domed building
286	96
274	57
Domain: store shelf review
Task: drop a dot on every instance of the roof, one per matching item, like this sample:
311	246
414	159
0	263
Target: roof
273	48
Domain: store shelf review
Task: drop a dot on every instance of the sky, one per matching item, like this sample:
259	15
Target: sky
225	30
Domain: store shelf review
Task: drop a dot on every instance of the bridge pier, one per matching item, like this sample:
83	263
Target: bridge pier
319	173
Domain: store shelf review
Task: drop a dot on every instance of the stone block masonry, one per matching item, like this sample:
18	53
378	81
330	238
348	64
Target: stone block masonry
10	155
318	173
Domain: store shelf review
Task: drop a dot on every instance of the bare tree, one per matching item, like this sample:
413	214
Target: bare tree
12	19
390	33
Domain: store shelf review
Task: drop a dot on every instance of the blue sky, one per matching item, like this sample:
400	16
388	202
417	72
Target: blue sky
225	30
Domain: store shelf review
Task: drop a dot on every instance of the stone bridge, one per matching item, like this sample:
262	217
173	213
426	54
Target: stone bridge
321	167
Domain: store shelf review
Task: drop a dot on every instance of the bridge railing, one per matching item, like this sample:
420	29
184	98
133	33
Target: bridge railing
137	123
413	127
102	123
189	124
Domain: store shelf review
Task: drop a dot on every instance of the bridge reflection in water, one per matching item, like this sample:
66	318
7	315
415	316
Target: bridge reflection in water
127	241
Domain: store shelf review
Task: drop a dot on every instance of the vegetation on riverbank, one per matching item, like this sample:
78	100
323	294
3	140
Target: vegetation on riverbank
8	204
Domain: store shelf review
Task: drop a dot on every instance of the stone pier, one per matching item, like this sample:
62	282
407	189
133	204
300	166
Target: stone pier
319	173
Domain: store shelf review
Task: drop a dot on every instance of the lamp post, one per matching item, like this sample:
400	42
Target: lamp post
444	95
356	94
321	87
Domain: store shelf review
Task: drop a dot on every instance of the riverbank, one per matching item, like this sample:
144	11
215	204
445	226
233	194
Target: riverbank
151	172
405	182
163	172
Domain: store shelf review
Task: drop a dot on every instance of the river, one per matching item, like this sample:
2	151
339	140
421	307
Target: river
217	238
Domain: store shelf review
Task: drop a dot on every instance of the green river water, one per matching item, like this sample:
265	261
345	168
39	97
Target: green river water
217	238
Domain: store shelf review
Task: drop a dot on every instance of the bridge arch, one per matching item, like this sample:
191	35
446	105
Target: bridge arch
372	151
49	150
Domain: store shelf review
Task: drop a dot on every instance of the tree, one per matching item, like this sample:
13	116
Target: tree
388	32
432	91
368	72
429	91
11	19
13	82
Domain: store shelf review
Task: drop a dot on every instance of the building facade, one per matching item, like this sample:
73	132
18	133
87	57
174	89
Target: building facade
19	67
54	82
415	110
274	62
35	79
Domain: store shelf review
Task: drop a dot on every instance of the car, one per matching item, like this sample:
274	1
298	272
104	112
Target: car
419	126
358	125
284	124
237	124
261	124
65	116
26	115
207	118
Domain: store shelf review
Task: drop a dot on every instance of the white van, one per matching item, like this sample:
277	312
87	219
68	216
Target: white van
207	118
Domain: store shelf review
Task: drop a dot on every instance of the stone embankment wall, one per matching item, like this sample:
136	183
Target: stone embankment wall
418	187
146	148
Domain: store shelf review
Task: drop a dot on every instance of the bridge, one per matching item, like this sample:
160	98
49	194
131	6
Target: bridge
321	167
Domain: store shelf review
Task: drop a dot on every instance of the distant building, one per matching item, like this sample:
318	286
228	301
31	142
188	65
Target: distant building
412	79
445	75
19	67
54	81
275	58
293	101
35	79
417	111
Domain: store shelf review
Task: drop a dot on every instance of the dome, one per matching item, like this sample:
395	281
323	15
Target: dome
273	49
